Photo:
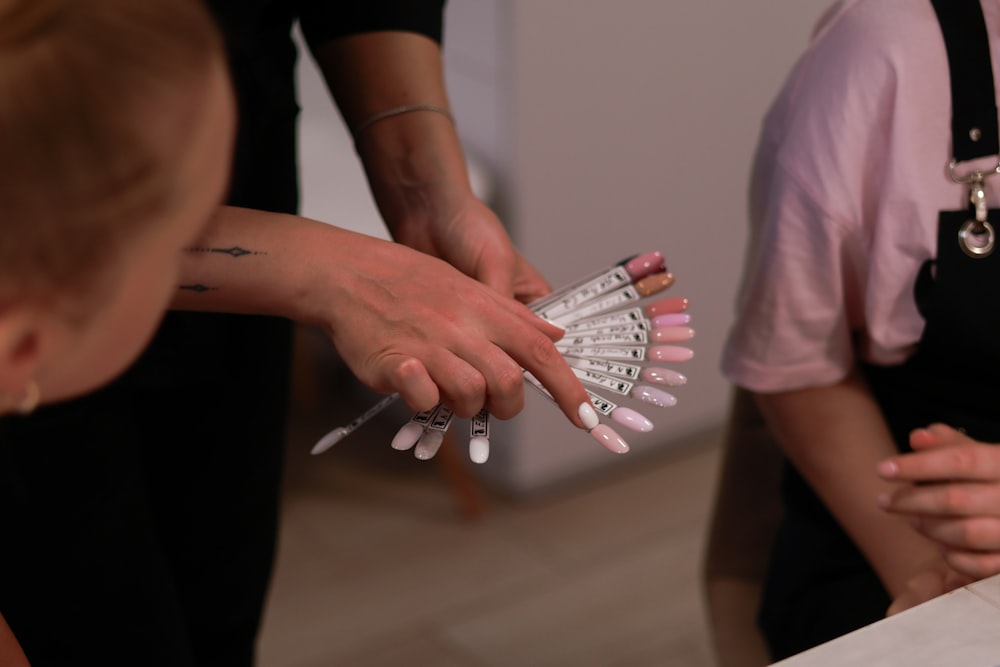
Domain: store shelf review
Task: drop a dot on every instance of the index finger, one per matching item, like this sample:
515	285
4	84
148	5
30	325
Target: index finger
548	371
972	462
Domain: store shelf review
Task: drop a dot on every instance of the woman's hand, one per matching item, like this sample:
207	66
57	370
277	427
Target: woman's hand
953	496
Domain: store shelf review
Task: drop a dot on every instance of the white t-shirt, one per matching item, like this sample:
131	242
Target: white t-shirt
850	175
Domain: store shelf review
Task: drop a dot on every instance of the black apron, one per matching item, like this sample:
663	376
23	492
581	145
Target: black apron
819	585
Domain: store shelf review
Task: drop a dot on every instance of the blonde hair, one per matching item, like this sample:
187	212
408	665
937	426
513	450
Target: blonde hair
91	93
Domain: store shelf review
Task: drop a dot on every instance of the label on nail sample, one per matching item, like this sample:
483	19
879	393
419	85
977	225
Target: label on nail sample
601	404
630	371
623	317
613	300
424	417
442	419
634	328
614	384
600	339
623	352
607	282
480	425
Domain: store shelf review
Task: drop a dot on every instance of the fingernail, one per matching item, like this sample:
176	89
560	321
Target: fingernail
654	396
631	419
479	449
588	416
664	376
606	435
672	334
650	285
675	304
428	445
671	320
407	436
645	264
888	468
670	353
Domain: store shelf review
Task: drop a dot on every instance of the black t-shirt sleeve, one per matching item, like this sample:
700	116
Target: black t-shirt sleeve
323	20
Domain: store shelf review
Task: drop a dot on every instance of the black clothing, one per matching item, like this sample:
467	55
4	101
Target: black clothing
141	520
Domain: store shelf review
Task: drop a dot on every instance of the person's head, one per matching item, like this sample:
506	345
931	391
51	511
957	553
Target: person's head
116	130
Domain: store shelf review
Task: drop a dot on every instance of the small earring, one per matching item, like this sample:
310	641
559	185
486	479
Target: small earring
32	394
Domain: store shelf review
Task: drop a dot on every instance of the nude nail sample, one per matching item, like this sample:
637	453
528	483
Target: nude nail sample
631	419
675	304
657	282
428	445
670	353
671	320
654	396
606	435
664	376
407	436
671	334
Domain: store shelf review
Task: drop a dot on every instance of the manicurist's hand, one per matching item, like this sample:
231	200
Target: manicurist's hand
952	496
402	321
414	161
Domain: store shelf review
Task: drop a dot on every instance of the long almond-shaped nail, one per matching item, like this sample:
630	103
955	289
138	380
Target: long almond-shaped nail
672	334
670	353
671	320
629	418
407	436
606	435
675	304
664	376
645	264
428	445
657	282
654	396
588	416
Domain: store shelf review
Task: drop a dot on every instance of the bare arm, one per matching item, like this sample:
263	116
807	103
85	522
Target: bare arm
836	436
414	161
401	320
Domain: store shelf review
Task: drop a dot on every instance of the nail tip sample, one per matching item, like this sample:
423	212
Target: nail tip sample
407	436
479	449
631	419
607	436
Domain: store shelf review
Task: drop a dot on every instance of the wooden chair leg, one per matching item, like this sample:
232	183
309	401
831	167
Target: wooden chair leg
460	478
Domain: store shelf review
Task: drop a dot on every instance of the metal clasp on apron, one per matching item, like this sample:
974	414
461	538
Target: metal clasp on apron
976	237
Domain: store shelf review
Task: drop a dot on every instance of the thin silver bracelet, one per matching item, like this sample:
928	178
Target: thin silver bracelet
395	111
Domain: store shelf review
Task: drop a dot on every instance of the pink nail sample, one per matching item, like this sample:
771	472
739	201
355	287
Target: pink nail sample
653	396
606	435
672	334
631	419
675	304
657	282
670	353
645	264
664	376
671	320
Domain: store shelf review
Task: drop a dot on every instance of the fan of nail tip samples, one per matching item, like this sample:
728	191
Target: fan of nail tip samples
621	341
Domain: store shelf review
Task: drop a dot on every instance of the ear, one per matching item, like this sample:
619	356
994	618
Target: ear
22	337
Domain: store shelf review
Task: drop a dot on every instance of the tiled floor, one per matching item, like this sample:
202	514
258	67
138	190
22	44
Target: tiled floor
377	566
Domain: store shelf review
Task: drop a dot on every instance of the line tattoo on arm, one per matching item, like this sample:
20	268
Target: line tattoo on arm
233	251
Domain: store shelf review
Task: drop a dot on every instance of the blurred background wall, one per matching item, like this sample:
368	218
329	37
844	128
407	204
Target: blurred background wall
599	129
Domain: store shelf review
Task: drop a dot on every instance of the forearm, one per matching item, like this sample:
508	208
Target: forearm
261	263
414	161
835	436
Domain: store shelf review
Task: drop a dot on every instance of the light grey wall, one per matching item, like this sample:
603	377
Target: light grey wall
618	127
608	127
